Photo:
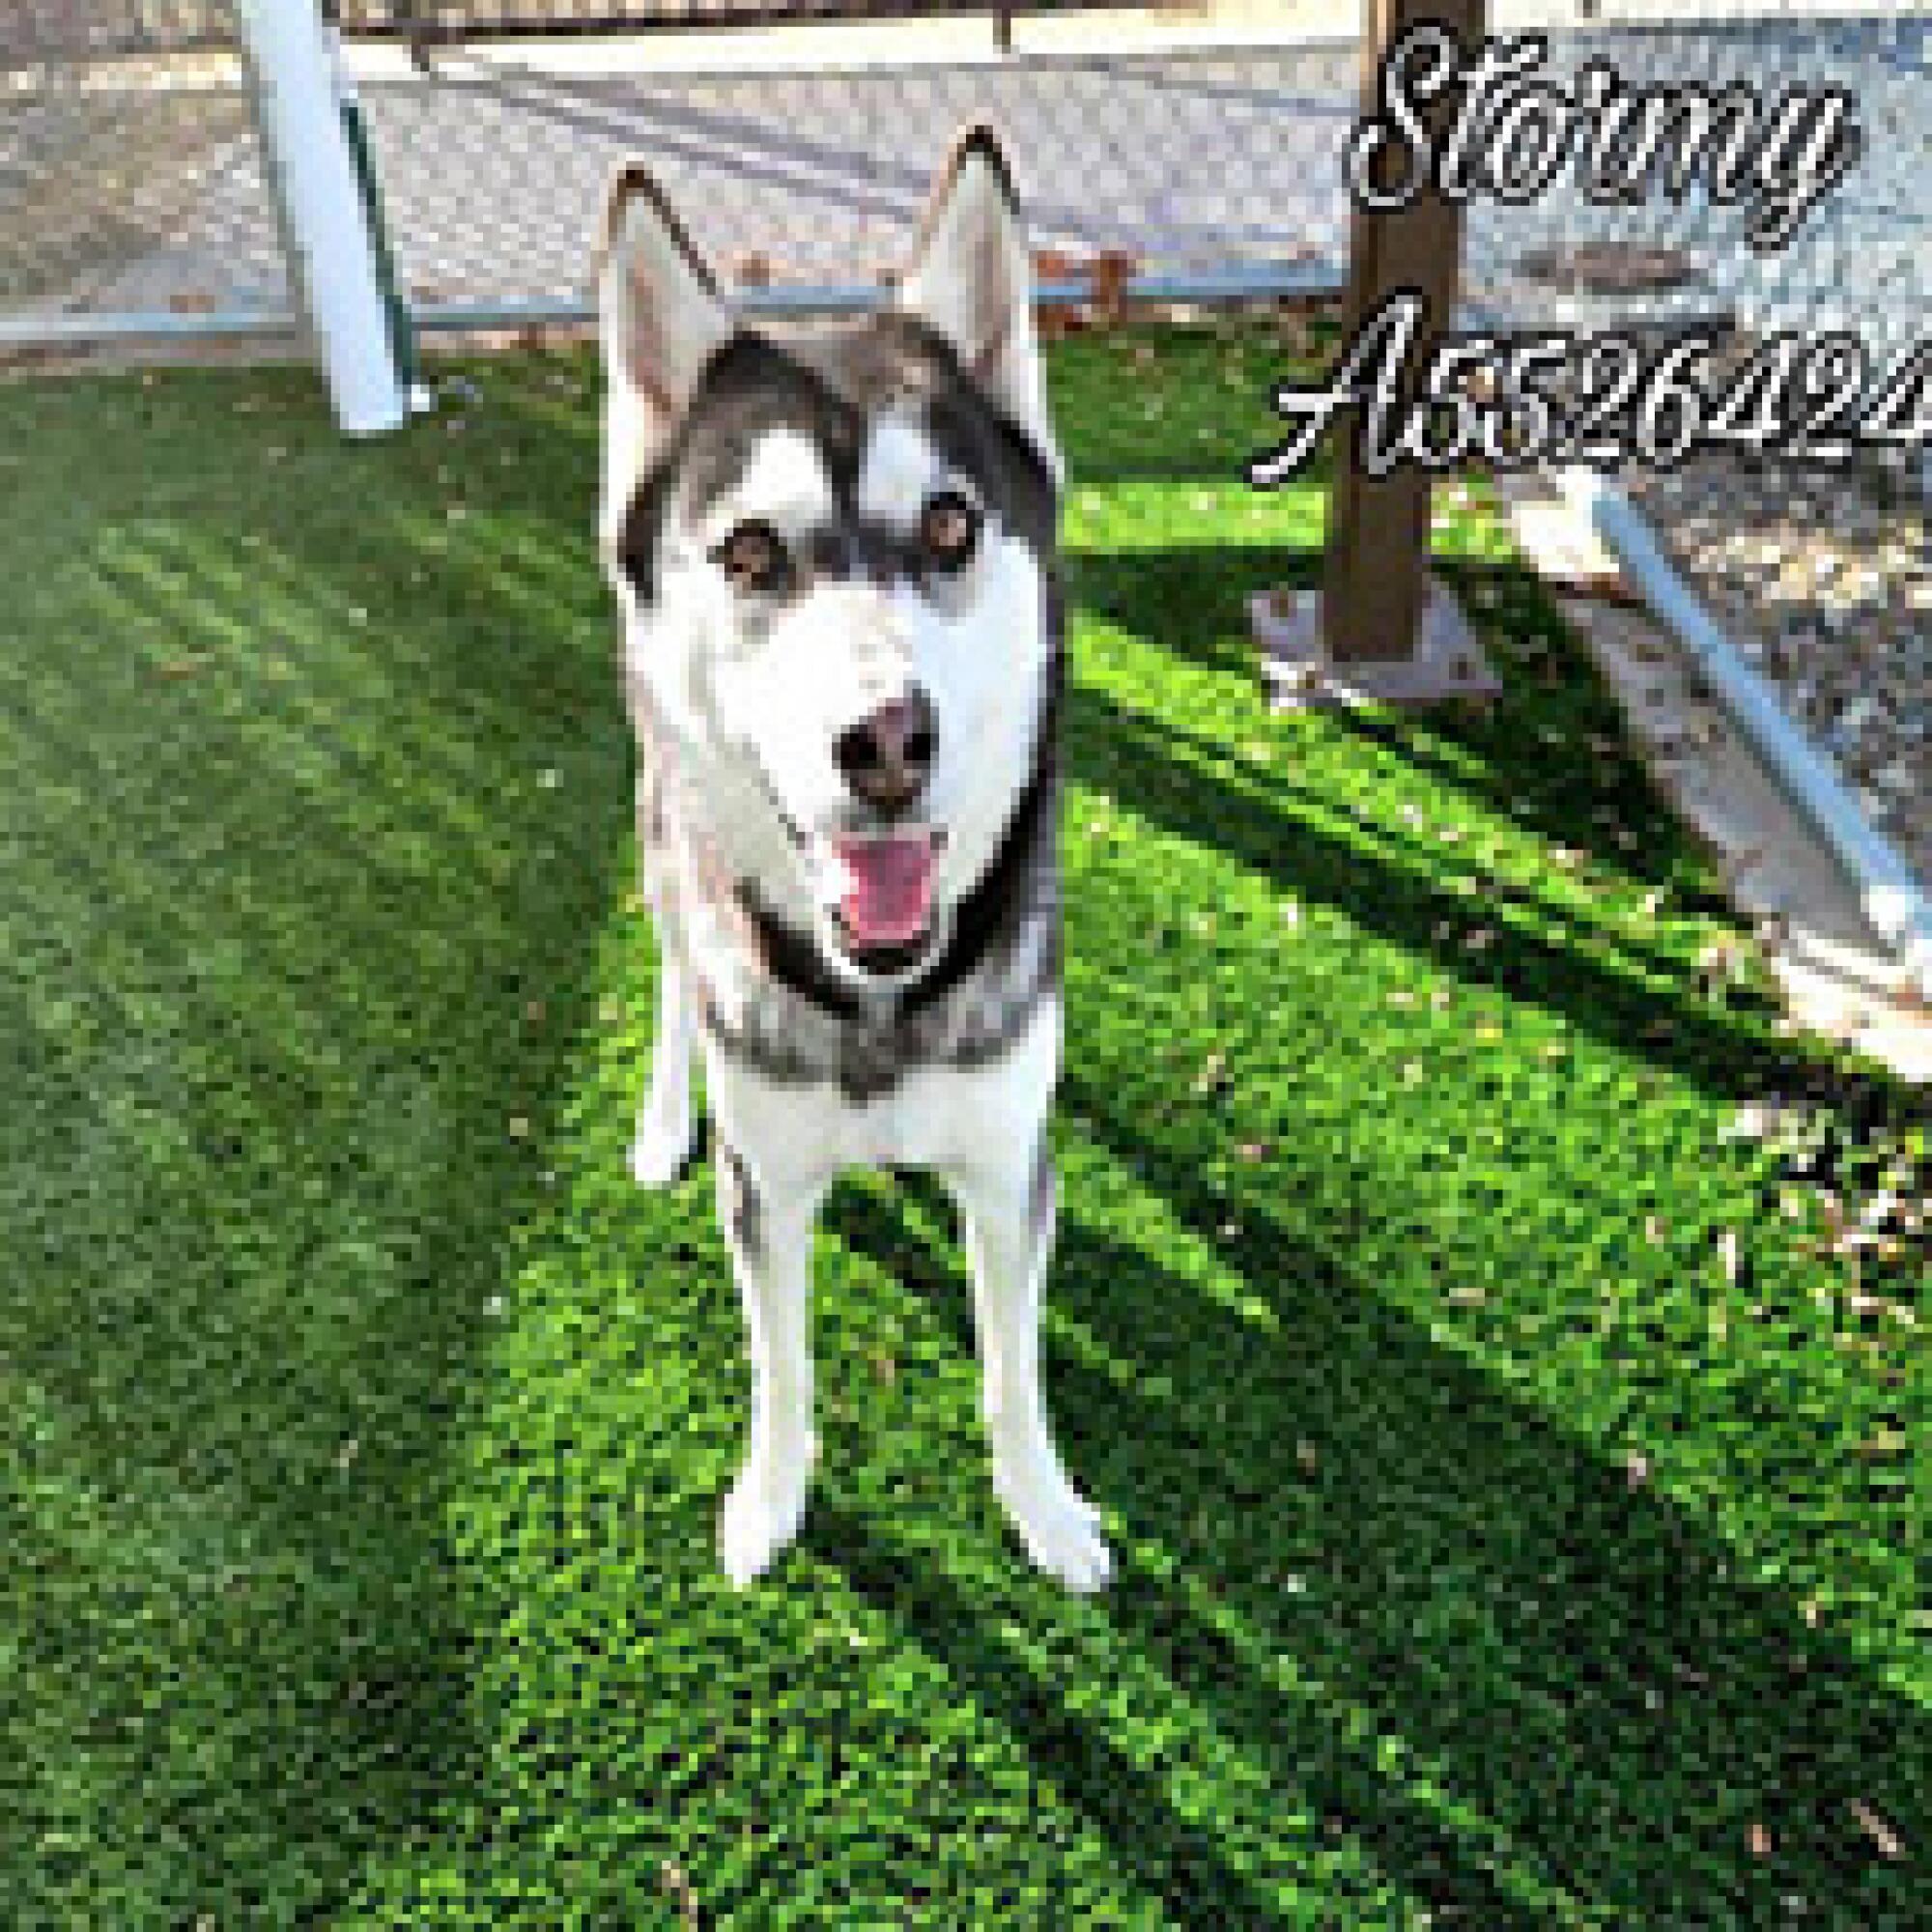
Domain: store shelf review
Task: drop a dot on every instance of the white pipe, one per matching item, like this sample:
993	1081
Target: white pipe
1891	897
78	328
1288	279
301	115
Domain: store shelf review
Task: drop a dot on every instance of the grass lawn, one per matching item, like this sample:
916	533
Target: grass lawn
1520	1515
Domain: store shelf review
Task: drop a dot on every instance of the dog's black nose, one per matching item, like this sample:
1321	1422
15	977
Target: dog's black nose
887	757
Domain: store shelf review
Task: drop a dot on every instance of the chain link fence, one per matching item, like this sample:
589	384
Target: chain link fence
132	181
1862	258
1212	172
133	198
430	21
70	30
1818	572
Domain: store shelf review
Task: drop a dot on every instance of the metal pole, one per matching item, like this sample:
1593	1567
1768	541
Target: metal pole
1891	897
313	165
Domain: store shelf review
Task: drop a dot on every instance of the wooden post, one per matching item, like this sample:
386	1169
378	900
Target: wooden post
1380	629
1378	562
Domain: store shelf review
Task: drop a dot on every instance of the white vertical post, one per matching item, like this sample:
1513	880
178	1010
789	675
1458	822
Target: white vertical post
315	175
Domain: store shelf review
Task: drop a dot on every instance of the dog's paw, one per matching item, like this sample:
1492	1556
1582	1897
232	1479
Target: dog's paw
760	1518
1058	1526
660	1152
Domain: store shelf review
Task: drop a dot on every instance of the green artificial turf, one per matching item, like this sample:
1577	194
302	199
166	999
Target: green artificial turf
1520	1510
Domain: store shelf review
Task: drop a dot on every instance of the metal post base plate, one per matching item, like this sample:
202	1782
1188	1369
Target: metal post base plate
1448	662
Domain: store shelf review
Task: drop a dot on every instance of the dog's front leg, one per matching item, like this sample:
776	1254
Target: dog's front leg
1008	1211
768	1226
667	1122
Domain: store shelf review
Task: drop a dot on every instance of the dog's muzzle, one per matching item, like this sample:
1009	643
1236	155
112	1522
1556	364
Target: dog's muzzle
882	877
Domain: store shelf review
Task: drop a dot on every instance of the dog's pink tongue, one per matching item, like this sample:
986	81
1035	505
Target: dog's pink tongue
888	896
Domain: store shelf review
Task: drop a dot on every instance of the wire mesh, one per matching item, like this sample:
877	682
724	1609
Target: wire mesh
1192	164
1862	260
1818	569
132	180
446	21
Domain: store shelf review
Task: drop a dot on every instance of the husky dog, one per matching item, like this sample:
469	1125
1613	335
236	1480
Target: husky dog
835	558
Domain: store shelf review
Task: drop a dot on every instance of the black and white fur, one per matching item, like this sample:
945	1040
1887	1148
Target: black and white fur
840	453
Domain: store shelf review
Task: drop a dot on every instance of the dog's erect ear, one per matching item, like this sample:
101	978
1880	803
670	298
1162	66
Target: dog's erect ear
971	279
660	315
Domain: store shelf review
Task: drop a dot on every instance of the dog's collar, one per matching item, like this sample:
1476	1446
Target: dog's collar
791	959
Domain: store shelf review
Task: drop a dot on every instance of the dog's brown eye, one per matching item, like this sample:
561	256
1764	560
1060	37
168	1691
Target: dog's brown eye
949	530
752	558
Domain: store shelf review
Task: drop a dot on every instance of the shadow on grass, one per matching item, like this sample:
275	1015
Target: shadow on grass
1192	601
282	896
1403	896
1590	793
1565	1687
1182	1862
1522	1686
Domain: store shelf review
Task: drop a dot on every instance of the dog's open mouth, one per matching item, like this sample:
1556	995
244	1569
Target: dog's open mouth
884	908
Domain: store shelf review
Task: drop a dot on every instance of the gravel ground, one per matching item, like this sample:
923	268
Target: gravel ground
1823	578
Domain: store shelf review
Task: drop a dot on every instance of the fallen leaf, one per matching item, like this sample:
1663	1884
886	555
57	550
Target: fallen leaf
674	1880
1727	1254
1213	1074
1109	275
1887	1841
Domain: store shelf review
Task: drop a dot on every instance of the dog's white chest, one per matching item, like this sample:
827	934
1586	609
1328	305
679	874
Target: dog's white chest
938	1114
